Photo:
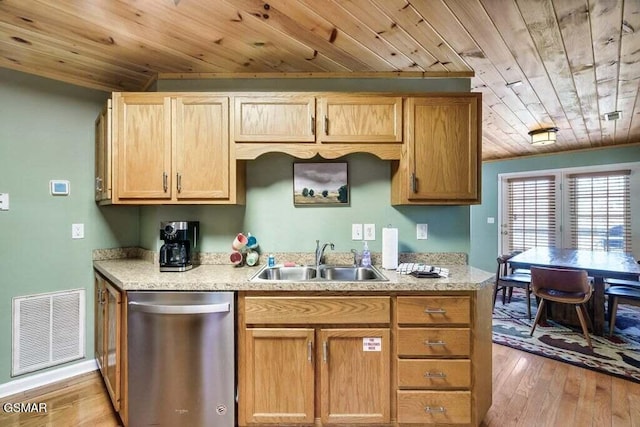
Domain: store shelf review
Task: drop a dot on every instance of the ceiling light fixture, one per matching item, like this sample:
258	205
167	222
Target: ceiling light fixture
543	136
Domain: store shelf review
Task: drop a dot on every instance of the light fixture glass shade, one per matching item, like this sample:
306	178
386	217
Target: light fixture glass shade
543	136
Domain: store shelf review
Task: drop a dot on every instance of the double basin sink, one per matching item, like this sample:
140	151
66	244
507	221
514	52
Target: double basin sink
304	273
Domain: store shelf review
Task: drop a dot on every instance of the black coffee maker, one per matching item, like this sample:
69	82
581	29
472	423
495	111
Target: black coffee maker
180	240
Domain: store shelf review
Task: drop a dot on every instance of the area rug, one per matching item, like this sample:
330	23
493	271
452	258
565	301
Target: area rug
617	355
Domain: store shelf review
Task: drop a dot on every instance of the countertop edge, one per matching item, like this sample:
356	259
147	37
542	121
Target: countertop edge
141	275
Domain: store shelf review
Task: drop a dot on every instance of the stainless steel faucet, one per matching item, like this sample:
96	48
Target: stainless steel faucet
320	252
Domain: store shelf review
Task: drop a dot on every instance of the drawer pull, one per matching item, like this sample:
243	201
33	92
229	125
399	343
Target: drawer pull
432	343
435	311
435	409
435	375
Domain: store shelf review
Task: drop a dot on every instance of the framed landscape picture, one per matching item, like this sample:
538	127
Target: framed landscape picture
320	184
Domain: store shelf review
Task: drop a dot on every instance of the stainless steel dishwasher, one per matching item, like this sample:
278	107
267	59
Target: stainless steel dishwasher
181	361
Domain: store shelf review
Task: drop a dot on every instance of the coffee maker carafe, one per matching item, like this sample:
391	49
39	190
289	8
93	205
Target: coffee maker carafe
180	241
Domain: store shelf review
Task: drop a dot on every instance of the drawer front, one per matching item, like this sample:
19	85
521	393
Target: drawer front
438	342
434	310
434	374
317	310
434	407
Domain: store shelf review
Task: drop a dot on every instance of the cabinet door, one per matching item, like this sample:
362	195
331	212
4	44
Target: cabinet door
355	376
202	147
143	146
112	319
280	376
360	119
274	119
99	306
103	154
443	148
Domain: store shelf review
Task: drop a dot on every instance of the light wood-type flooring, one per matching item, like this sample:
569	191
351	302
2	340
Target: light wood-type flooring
528	390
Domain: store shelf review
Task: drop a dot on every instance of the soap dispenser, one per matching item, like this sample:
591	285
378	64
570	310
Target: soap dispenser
366	255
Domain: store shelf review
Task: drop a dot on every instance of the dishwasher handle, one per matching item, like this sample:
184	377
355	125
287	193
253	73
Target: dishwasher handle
180	309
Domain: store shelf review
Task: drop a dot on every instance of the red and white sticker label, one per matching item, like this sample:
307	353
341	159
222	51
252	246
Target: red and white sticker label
371	344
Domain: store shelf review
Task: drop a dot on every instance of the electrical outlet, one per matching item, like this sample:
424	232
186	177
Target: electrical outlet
4	201
356	231
77	231
369	232
421	231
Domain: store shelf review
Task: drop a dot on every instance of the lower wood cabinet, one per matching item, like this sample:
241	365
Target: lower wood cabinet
329	373
110	341
280	375
108	315
404	359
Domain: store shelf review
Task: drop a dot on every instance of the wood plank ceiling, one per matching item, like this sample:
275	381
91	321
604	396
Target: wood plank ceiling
575	59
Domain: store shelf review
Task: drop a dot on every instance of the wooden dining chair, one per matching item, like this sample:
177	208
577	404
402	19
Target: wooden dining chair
562	286
506	280
620	295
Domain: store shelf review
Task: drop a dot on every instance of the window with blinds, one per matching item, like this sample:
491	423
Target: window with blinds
600	210
531	206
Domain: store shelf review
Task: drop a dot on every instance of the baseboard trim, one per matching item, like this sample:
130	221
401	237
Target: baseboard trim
45	378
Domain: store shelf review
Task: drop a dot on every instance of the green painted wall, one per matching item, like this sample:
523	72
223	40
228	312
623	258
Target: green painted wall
46	132
484	237
280	226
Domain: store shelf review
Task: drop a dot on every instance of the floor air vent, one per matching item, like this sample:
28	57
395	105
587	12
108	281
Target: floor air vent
48	329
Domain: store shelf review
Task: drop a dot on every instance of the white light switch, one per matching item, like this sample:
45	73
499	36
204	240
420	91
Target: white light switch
77	231
4	201
421	231
356	231
491	220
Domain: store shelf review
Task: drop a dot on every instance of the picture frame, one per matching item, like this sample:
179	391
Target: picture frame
321	184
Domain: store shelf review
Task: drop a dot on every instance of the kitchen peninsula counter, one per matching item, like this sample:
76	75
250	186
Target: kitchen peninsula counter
138	275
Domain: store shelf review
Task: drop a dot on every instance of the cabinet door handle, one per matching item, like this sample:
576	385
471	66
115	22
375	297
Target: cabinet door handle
313	125
434	343
435	375
414	183
310	351
435	311
325	351
98	184
179	182
165	184
326	125
435	409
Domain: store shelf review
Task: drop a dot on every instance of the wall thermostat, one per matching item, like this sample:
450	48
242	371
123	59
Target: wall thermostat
59	187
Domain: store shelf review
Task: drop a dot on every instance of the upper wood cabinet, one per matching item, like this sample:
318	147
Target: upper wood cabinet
103	128
142	146
366	119
441	161
305	125
173	149
274	118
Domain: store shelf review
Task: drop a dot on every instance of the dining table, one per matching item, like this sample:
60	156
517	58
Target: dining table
599	265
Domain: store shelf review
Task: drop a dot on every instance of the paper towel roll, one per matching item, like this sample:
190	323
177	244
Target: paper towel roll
389	248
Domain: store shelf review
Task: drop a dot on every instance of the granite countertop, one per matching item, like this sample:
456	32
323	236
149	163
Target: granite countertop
138	274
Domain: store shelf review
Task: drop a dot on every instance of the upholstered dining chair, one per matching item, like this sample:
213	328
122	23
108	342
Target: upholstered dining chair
620	295
562	286
506	280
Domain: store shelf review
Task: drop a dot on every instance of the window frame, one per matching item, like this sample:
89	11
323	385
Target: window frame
563	232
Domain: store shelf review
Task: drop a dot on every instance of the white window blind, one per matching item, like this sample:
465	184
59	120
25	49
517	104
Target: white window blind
531	212
600	210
